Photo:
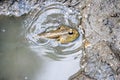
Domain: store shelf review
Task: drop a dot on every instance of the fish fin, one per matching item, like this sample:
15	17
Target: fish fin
58	39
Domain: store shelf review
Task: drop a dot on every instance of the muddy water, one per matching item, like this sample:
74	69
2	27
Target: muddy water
50	16
23	57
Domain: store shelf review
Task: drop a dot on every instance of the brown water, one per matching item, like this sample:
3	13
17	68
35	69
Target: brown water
24	58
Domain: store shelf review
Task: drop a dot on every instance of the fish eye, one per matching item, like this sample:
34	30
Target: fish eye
70	33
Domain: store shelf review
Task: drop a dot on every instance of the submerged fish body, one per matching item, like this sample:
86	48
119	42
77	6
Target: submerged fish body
63	34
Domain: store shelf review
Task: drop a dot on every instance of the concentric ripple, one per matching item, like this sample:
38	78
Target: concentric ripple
50	16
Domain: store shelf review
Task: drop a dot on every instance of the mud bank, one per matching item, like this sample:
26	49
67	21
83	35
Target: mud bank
17	7
101	23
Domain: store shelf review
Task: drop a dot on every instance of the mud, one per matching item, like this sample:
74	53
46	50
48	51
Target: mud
101	23
101	60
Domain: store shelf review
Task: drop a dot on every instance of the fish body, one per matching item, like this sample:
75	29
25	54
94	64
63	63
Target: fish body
63	34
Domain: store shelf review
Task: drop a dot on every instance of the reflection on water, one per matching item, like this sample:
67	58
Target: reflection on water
24	59
51	16
16	60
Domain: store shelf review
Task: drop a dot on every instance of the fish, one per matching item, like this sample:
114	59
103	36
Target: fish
62	34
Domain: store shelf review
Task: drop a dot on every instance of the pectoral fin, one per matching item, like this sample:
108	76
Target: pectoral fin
58	39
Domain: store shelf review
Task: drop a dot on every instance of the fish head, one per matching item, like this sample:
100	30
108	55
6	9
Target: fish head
70	35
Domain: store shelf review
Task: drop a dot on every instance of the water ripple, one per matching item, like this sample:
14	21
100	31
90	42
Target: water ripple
50	16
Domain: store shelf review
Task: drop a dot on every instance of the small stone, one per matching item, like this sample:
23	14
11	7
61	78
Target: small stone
87	43
86	16
80	6
88	5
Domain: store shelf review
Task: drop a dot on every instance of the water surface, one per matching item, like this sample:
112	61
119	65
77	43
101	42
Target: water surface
23	57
